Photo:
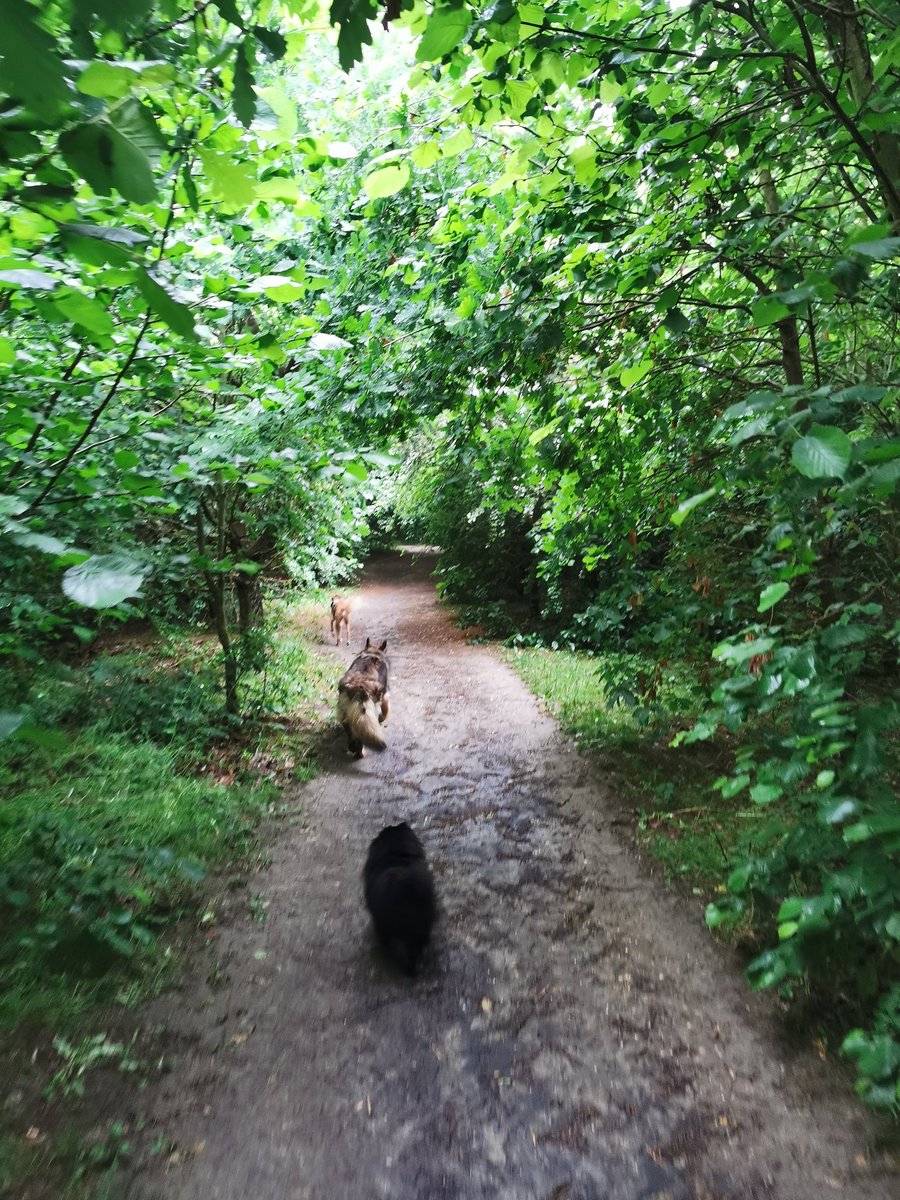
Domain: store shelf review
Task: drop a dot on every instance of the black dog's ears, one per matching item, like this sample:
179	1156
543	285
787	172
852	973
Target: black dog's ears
369	645
383	645
368	642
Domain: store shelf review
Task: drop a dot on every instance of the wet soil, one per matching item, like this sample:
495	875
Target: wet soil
573	1033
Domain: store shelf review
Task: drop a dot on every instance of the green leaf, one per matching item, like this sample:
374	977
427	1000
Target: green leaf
277	187
457	143
732	787
107	80
742	651
107	233
26	278
353	17
676	322
273	42
425	155
724	912
280	288
544	431
444	31
837	809
116	156
386	181
765	793
175	314
243	97
39	541
886	247
824	453
85	311
767	310
31	70
231	181
770	596
230	11
687	506
104	580
635	373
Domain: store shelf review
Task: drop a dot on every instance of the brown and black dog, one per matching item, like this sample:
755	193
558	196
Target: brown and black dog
340	615
363	702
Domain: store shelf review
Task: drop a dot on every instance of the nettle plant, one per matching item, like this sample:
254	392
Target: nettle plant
805	684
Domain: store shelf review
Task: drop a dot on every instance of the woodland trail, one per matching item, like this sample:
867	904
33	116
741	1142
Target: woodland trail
573	1033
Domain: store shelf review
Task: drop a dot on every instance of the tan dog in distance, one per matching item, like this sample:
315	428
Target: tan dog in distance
340	615
363	702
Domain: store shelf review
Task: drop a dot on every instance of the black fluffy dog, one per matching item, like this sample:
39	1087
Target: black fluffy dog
400	894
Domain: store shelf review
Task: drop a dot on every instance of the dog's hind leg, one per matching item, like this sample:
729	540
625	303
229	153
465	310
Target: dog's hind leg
385	709
347	630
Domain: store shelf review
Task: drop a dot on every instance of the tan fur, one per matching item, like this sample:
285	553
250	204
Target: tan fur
363	699
340	615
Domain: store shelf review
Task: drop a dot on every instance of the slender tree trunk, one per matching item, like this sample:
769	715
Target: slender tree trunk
215	591
250	601
849	48
788	328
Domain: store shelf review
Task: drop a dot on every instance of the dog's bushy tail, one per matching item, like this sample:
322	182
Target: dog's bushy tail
358	714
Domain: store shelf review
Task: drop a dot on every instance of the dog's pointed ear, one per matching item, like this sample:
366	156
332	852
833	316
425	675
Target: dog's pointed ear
368	642
383	645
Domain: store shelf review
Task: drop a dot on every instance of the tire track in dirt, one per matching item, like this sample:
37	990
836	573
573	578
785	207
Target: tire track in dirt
573	1034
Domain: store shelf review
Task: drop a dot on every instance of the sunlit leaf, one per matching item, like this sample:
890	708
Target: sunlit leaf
104	580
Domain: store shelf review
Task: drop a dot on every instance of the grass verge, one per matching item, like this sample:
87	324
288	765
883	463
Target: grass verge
129	801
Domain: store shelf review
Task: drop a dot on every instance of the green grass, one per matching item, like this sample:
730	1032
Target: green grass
102	845
129	805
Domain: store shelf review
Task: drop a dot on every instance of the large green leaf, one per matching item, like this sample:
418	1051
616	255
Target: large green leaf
770	596
104	580
31	70
386	181
233	182
114	80
85	311
824	453
116	156
26	278
175	314
353	17
243	95
444	31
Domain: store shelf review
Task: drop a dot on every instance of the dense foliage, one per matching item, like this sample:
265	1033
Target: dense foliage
614	279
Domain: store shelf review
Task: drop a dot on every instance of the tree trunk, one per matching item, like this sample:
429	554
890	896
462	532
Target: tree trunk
850	53
215	592
788	327
250	601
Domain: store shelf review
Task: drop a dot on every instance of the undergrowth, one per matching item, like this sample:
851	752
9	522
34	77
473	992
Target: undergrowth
123	794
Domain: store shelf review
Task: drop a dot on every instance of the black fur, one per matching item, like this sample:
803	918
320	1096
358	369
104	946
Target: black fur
400	894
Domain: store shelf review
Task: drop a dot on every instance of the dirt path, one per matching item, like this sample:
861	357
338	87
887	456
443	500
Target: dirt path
573	1035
